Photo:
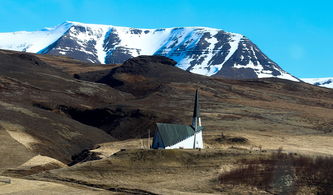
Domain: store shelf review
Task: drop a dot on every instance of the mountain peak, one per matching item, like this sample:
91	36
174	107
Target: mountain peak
73	23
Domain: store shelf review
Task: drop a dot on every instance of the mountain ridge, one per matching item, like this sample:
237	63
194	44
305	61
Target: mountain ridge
200	50
322	82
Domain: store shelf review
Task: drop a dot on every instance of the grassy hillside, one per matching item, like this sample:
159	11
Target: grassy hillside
63	112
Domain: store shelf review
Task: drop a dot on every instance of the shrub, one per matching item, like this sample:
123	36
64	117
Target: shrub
283	173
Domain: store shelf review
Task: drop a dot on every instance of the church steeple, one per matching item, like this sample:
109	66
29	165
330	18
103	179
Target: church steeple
196	121
196	111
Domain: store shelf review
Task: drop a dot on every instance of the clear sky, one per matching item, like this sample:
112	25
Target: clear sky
297	34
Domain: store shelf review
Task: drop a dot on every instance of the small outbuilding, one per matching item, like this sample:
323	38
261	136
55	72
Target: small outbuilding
172	136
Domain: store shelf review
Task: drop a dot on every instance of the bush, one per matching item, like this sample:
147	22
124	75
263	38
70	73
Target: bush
283	173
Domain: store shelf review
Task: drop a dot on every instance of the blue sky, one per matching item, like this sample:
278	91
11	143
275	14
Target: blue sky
297	34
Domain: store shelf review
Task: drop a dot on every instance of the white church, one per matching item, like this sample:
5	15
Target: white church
173	136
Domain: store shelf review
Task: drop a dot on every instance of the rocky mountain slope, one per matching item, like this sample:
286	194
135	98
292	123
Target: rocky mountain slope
322	82
201	50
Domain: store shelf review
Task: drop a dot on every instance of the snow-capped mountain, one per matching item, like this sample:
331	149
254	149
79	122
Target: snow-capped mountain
322	82
200	50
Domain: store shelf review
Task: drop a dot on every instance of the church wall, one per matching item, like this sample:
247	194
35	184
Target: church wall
188	143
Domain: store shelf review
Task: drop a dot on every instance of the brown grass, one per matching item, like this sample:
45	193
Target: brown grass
73	66
284	173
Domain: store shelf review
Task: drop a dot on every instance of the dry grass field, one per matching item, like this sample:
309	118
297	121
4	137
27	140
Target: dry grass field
33	187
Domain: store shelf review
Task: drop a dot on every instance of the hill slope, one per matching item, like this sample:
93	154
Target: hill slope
32	96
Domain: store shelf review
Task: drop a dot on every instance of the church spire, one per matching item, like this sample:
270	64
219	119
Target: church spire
196	121
196	111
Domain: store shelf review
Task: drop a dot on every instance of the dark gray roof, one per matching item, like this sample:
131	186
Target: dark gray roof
174	133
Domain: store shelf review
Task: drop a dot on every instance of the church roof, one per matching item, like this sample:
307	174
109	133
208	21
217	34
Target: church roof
174	133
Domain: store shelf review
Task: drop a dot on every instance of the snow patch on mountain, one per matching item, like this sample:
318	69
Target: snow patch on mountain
207	68
262	73
322	82
234	43
181	42
203	68
32	41
143	41
90	34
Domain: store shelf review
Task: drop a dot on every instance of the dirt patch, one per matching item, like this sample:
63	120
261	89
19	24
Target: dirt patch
18	133
24	186
35	165
231	140
22	110
42	160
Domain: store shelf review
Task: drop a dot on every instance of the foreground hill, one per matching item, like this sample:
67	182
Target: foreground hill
55	110
201	50
26	130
